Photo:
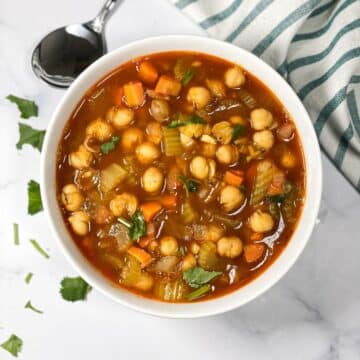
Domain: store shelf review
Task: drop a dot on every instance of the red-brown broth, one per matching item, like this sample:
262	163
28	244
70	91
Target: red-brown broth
96	103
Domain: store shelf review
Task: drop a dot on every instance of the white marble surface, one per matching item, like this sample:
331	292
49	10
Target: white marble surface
312	313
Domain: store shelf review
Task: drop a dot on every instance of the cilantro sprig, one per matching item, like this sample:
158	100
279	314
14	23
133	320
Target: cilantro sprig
136	227
30	136
197	276
26	107
28	305
37	247
13	345
189	74
189	185
238	130
183	121
74	289
110	145
34	198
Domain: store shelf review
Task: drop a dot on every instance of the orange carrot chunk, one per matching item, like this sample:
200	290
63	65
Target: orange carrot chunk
150	209
166	85
140	255
118	96
147	72
168	201
253	252
134	93
234	177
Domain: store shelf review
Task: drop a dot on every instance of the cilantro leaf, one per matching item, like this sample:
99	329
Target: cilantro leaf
74	289
197	276
28	277
34	198
27	108
13	345
183	121
189	74
199	292
238	130
16	234
138	226
28	305
36	245
31	136
110	145
189	185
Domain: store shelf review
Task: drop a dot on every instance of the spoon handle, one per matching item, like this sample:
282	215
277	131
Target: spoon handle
98	23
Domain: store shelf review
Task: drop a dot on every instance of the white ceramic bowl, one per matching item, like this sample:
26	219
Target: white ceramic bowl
256	67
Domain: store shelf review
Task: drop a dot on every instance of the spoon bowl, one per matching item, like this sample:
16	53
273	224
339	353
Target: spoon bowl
64	53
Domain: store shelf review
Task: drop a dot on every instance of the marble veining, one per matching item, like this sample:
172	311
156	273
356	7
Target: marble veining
313	313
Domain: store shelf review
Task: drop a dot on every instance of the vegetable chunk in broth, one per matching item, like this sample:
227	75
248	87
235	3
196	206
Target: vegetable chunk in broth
180	176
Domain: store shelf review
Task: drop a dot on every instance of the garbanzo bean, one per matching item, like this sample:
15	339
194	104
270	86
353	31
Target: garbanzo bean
288	160
80	222
152	180
199	167
261	222
120	116
168	246
100	130
231	198
261	119
223	132
234	77
227	154
131	138
154	132
147	152
264	139
188	262
124	203
71	197
230	247
199	96
159	110
81	158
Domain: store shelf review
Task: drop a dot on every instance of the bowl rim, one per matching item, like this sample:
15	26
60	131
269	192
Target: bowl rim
312	158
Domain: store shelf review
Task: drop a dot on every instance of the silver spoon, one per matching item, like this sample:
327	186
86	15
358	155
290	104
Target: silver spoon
64	53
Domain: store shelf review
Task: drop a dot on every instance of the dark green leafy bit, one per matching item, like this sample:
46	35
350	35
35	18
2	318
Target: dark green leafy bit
199	292
189	74
110	145
182	251
189	185
74	289
13	345
183	121
197	276
31	136
29	277
27	108
16	234
28	305
34	198
137	226
238	130
279	198
36	245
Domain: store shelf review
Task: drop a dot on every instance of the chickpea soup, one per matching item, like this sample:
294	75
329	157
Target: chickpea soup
180	176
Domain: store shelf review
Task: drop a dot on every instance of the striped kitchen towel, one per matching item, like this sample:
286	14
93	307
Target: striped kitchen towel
315	45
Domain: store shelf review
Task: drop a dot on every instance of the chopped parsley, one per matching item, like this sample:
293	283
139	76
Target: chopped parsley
34	198
238	130
30	136
13	345
189	74
28	305
189	185
183	121
74	289
197	276
27	107
137	226
199	292
110	145
29	277
36	245
16	234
